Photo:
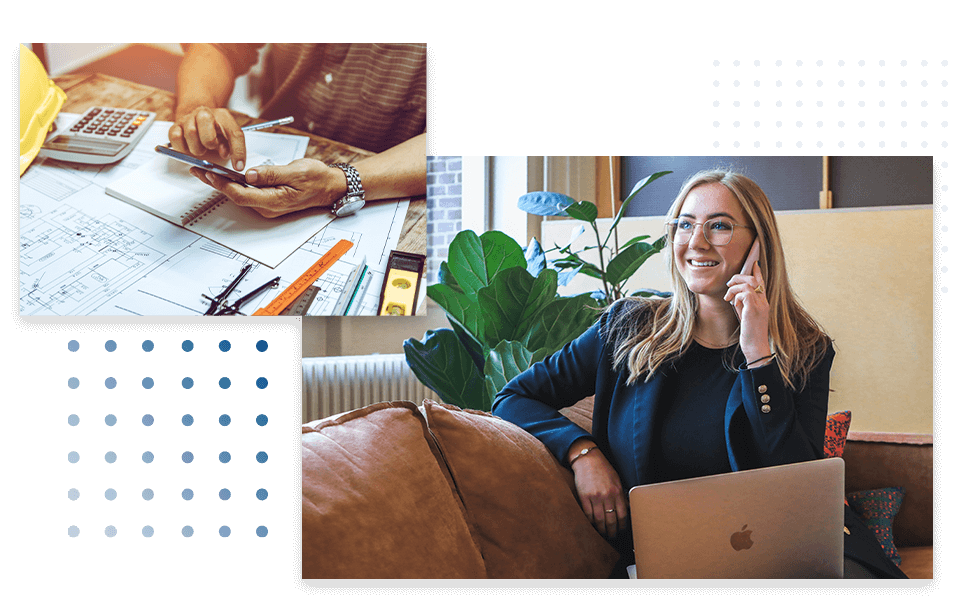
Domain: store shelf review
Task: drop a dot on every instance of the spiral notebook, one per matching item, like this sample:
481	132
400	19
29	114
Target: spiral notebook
164	187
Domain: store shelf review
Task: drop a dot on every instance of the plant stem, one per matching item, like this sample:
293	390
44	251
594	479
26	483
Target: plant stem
610	160
600	249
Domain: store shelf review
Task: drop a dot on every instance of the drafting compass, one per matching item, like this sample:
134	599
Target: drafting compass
218	305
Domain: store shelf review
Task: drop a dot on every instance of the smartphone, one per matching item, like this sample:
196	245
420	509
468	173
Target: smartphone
203	164
749	265
751	259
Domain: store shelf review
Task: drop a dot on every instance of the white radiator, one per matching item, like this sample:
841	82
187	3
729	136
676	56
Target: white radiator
332	385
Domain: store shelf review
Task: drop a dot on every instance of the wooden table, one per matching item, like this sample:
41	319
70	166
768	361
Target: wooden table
85	90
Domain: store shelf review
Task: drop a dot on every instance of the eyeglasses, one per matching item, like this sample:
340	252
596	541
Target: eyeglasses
717	231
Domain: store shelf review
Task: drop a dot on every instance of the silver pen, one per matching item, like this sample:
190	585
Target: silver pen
256	127
268	124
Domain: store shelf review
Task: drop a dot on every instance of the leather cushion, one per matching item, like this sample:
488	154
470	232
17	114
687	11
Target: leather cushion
520	500
376	502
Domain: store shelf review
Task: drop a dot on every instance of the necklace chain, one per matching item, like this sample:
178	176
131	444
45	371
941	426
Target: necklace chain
710	344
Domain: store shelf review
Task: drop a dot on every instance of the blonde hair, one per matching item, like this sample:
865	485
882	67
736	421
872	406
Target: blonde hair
647	334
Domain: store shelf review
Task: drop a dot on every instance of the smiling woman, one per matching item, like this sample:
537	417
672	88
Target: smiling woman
714	304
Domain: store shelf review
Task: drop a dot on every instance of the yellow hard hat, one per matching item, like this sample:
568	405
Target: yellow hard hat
40	101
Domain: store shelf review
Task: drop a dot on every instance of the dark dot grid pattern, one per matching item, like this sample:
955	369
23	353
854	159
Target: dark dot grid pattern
855	105
171	439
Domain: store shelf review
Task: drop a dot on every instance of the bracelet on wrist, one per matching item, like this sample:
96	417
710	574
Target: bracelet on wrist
771	355
580	454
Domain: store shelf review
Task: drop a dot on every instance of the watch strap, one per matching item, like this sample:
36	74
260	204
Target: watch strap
355	193
352	178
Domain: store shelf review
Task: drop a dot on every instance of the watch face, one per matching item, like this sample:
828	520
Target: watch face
349	208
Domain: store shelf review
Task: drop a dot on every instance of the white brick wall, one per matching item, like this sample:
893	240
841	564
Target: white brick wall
444	209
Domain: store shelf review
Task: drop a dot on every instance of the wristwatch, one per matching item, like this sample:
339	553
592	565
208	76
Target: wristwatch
354	198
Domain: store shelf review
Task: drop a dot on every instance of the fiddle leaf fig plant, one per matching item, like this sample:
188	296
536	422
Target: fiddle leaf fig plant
503	305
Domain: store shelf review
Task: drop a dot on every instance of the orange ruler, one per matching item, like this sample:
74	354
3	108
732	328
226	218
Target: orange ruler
302	283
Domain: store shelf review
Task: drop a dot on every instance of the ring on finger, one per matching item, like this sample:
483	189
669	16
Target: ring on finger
759	289
609	510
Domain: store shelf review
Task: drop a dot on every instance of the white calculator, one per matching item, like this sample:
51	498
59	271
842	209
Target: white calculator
101	135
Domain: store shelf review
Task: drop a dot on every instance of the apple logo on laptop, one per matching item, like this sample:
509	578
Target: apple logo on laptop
741	540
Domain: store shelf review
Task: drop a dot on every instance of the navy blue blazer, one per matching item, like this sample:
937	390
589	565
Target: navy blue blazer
765	422
790	429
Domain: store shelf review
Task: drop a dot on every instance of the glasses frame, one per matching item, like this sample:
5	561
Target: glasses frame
673	223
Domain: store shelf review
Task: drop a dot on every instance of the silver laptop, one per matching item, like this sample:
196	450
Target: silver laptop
776	522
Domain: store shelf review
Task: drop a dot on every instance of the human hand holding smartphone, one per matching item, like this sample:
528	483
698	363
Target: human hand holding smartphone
203	164
238	141
747	269
751	259
747	289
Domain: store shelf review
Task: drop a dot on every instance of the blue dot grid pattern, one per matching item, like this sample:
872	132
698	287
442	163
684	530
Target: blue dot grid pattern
193	465
851	105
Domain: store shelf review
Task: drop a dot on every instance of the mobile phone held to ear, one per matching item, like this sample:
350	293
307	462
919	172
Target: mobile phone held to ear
751	259
203	164
749	265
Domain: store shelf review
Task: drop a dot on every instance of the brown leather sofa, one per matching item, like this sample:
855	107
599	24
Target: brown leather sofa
879	460
395	490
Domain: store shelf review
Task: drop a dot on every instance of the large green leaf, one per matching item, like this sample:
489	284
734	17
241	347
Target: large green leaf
505	361
474	261
445	276
630	260
466	262
510	305
553	204
501	253
472	346
545	204
640	185
458	306
441	363
583	211
560	322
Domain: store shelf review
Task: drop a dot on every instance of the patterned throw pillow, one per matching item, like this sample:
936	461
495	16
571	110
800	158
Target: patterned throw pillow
878	508
838	424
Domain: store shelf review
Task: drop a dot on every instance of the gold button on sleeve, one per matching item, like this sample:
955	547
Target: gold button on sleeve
762	389
765	408
765	398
